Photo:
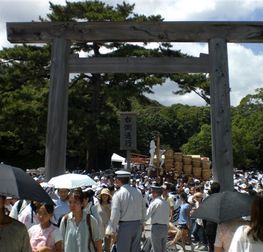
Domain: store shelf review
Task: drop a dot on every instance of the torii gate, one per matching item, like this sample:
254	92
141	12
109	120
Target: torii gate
216	34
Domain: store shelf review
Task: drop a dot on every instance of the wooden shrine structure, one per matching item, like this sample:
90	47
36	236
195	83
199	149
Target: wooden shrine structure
62	34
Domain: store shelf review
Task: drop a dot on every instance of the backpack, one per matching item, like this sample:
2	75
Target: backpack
19	206
90	231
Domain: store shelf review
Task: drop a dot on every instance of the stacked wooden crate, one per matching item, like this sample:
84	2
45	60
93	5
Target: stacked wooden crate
178	163
169	160
206	171
197	167
191	165
187	165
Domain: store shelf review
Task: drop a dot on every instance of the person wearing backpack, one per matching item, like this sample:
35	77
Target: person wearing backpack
17	208
79	230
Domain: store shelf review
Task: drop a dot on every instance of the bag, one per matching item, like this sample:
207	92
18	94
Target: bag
19	206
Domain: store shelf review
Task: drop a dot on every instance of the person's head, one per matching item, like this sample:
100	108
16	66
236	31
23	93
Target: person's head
63	193
105	196
122	177
156	191
35	205
166	188
88	196
183	196
214	188
111	188
192	190
45	213
122	181
256	230
76	200
133	182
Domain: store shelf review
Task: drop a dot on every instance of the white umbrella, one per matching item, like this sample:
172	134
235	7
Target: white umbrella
71	180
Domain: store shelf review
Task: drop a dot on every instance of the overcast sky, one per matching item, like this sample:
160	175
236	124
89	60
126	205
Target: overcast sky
245	60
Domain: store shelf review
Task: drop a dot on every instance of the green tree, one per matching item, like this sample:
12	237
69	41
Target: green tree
200	143
106	92
94	99
24	73
197	83
248	131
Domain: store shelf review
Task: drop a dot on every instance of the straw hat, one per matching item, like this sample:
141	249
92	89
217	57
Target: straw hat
105	191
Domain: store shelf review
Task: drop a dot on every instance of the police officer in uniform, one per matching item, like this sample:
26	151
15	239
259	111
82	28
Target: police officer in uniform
159	215
127	215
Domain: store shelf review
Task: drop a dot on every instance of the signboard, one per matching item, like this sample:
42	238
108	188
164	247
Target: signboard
128	136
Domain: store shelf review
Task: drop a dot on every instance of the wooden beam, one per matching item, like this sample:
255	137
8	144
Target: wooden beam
55	159
140	65
222	156
42	32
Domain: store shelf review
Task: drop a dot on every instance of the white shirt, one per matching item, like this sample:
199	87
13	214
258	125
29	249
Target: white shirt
127	205
158	212
242	243
14	214
28	217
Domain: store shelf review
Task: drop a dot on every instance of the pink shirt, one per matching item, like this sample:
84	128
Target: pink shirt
40	237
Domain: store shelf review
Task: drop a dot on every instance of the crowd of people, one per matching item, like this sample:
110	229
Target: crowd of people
115	215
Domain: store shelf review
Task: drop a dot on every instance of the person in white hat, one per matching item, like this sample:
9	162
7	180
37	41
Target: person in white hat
127	215
104	210
159	214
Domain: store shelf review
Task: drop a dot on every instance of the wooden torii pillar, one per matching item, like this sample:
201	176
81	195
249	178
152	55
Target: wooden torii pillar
56	139
216	34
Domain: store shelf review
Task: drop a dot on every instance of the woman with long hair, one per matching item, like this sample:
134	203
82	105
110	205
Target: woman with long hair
104	210
45	236
249	238
79	230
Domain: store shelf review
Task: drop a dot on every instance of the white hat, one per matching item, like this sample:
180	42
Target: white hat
187	190
122	174
243	186
156	188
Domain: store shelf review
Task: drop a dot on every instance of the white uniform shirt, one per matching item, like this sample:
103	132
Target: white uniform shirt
158	212
127	205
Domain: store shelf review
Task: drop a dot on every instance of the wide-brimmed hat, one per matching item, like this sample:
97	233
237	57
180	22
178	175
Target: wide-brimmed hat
106	191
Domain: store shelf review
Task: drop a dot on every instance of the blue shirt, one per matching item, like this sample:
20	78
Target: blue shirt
183	216
61	209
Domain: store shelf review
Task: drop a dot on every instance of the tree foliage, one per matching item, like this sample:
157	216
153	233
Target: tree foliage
24	74
96	99
248	131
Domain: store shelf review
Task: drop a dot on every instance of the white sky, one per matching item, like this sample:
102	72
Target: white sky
245	60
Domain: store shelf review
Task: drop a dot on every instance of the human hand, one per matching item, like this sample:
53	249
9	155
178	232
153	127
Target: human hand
43	249
114	237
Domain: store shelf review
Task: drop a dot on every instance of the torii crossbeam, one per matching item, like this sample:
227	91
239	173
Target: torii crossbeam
216	34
